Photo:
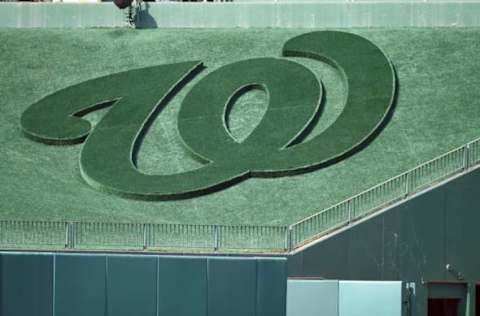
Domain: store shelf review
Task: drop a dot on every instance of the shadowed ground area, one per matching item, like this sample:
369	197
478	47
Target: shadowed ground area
437	110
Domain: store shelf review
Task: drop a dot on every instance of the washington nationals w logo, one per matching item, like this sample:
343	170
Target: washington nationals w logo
275	146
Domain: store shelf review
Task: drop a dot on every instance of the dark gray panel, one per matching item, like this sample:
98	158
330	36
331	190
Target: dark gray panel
365	252
408	238
231	287
393	245
80	285
26	285
182	286
422	237
463	234
328	259
271	287
132	285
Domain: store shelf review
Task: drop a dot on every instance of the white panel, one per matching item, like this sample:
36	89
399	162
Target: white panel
312	298
367	298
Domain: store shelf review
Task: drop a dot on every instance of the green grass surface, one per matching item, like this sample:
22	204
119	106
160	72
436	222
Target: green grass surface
437	110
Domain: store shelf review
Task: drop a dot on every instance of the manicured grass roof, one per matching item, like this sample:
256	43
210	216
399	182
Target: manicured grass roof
437	110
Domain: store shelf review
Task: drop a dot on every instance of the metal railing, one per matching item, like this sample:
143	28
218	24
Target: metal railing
383	194
126	236
185	237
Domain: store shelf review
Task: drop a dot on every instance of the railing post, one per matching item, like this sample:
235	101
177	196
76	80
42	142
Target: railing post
407	184
70	235
350	211
67	234
288	238
216	237
145	236
466	154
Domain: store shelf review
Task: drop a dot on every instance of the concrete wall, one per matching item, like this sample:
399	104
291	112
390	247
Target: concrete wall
428	240
306	14
50	284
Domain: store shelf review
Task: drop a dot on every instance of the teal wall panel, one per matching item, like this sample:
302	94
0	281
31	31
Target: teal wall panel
232	287
80	285
131	286
26	285
73	284
271	287
182	279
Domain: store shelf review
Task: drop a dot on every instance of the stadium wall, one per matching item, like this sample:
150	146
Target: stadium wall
303	14
58	284
431	240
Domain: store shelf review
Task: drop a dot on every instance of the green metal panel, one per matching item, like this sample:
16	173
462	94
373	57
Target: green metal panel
232	287
182	280
26	285
271	287
80	285
131	285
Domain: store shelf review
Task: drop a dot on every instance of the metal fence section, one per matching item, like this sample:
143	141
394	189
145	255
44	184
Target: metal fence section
253	237
438	168
106	236
181	237
29	234
129	236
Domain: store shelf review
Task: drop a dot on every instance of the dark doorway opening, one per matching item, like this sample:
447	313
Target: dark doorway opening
447	299
443	306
